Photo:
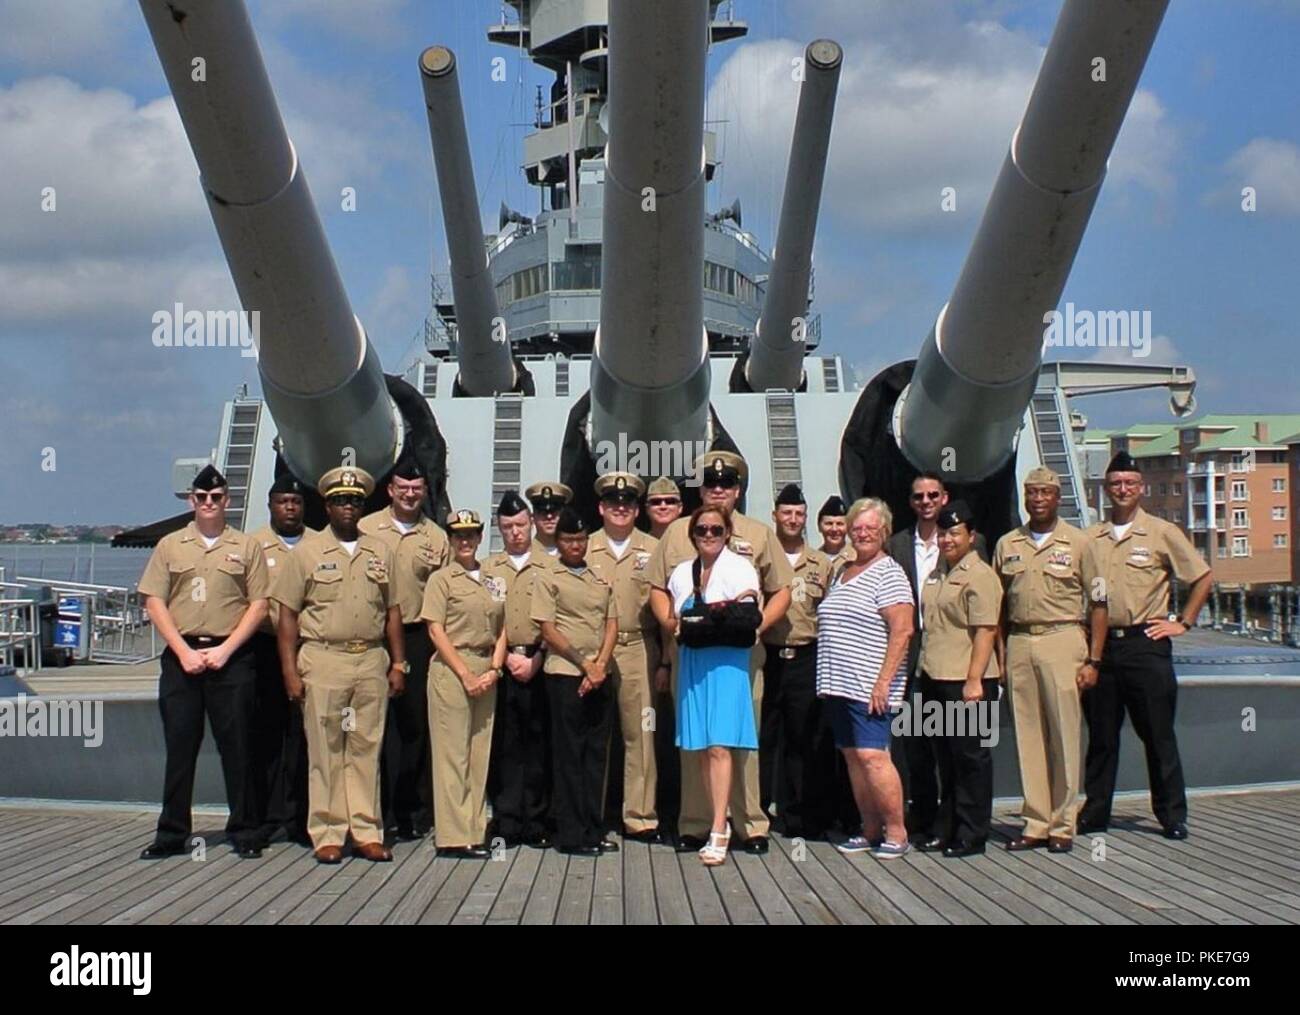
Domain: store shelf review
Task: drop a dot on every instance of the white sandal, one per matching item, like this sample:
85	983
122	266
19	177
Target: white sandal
715	852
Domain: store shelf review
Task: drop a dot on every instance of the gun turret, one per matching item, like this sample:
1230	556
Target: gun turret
978	367
483	351
650	370
776	354
321	378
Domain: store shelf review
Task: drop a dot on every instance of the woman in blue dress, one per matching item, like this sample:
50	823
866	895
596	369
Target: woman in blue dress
715	710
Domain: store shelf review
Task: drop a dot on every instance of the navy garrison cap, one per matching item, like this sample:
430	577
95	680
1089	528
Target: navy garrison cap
790	494
570	523
834	506
511	504
409	470
957	512
1122	462
209	479
286	484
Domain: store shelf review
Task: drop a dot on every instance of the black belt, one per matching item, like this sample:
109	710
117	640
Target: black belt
418	625
204	640
791	651
525	650
1132	631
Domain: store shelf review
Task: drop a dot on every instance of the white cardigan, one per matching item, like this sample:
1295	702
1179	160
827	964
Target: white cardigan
732	574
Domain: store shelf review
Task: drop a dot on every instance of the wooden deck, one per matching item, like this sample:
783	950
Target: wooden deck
1239	867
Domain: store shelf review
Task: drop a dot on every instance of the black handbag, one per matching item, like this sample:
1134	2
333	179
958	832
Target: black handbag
732	623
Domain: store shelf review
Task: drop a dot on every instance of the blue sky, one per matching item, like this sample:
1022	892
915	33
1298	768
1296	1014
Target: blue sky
931	92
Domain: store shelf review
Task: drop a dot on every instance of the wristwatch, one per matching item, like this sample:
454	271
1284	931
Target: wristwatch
404	666
1093	662
1174	618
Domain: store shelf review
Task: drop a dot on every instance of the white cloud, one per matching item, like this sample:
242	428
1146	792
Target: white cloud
1272	167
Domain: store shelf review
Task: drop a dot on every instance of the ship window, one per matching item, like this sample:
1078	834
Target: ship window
577	272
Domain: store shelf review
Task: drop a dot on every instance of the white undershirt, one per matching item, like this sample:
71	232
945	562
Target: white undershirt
211	541
553	551
1039	538
351	546
475	574
518	560
927	559
793	558
1120	531
619	546
401	526
291	541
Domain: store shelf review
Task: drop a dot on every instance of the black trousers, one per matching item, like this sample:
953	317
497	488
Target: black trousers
796	749
227	697
917	765
580	728
519	775
965	770
668	763
406	757
279	747
1137	675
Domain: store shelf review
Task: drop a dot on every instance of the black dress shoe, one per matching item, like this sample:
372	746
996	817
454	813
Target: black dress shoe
756	845
578	850
408	835
157	851
251	851
465	852
608	846
1178	830
964	849
934	845
650	836
1092	827
690	844
540	840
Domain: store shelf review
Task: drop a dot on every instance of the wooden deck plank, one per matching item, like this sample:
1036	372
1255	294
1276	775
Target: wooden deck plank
1250	854
410	864
701	891
576	892
805	902
173	905
60	865
993	884
1067	901
670	888
451	896
607	891
771	901
345	907
950	875
545	896
639	907
873	886
414	902
147	893
487	886
300	864
734	894
843	904
311	882
513	897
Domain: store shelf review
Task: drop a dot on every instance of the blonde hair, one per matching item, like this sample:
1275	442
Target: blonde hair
864	504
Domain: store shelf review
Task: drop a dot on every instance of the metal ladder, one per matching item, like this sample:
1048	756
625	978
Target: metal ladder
783	440
507	449
1056	449
241	441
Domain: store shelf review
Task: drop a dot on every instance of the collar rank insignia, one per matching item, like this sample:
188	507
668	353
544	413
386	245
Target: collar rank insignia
642	559
742	546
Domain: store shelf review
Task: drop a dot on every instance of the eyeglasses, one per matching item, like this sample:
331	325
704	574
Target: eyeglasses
662	501
867	530
927	495
203	497
346	500
710	530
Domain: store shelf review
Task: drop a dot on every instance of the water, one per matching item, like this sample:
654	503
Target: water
61	562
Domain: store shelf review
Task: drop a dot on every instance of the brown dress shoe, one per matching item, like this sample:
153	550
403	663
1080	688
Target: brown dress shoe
375	851
329	854
1059	844
1025	842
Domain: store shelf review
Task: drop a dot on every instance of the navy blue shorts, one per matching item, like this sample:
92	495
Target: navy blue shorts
853	724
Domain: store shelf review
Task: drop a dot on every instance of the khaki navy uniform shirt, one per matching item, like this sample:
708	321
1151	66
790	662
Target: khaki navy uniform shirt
845	556
967	597
471	611
416	555
207	590
1137	567
339	596
1047	583
276	551
753	540
521	629
629	576
812	580
578	604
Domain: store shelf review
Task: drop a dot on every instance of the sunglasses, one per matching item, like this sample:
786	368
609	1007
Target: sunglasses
710	530
203	497
346	500
620	501
662	501
721	484
547	509
929	495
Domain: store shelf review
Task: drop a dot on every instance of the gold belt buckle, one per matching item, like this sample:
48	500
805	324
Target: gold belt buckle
355	647
786	653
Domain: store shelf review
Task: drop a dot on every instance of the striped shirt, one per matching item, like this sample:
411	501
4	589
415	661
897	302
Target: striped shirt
853	635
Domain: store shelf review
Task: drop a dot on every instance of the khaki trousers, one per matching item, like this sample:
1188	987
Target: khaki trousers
343	717
633	672
460	728
1041	671
746	808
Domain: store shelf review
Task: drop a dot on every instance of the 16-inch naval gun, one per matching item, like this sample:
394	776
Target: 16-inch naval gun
622	325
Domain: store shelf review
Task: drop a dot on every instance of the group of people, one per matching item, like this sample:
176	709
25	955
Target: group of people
382	678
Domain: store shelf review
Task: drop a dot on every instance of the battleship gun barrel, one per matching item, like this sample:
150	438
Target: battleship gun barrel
650	369
776	355
978	367
484	355
322	380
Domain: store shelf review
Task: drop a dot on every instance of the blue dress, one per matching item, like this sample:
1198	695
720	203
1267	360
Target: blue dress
714	704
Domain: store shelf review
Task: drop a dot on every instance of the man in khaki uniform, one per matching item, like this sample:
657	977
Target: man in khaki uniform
465	610
281	742
663	505
620	554
796	751
340	604
578	613
205	590
1047	571
547	499
1137	554
832	523
722	475
519	778
419	548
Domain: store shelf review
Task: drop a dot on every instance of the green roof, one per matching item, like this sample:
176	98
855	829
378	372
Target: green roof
1239	433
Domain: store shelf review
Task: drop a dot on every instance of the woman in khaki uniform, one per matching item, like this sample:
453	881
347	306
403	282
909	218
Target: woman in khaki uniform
962	609
465	610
